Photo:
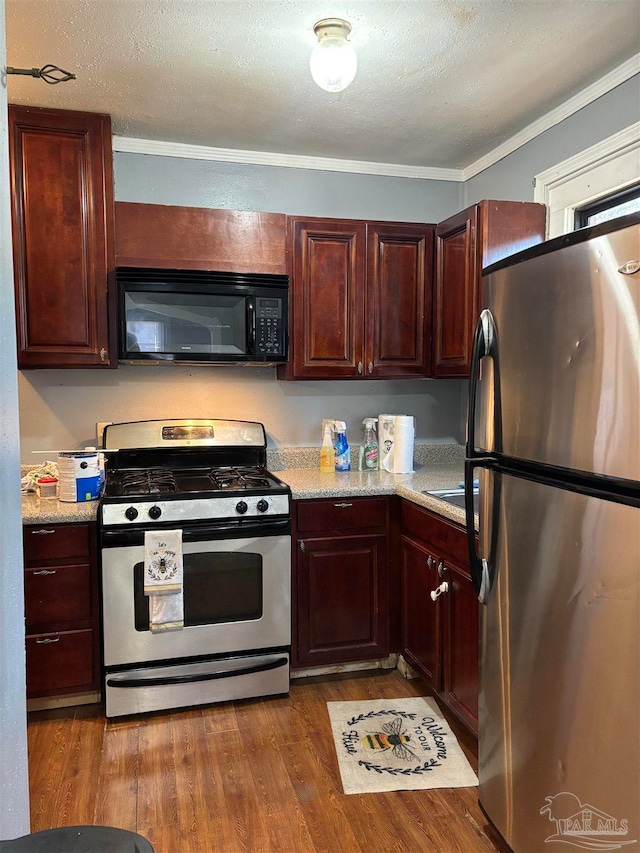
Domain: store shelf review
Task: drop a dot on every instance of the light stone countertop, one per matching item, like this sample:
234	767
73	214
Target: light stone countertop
310	483
305	484
37	510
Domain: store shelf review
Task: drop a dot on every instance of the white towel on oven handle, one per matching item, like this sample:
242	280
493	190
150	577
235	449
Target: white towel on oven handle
166	612
163	569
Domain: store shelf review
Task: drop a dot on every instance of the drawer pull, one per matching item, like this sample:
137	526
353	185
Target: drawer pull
46	641
343	504
42	532
46	572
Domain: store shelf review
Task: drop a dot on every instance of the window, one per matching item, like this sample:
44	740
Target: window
609	207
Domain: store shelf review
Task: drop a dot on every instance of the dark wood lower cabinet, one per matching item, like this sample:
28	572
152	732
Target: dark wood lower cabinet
61	610
420	618
342	605
440	638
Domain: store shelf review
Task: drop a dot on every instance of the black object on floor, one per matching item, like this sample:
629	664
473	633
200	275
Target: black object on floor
79	839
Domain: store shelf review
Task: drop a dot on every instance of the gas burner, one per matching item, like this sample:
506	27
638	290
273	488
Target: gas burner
239	478
148	482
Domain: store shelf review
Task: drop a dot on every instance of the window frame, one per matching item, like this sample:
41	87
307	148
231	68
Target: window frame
609	167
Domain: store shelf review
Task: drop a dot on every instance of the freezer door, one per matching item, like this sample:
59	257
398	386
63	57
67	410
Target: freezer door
568	358
559	715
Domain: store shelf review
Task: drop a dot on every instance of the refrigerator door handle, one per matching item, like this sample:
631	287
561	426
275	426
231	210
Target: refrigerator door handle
478	567
485	345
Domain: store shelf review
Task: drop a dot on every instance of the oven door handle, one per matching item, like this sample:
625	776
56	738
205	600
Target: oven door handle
123	680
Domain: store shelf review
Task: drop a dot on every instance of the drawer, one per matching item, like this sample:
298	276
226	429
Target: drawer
342	514
60	662
439	535
57	594
44	542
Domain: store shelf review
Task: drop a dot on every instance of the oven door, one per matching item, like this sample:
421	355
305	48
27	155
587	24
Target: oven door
237	598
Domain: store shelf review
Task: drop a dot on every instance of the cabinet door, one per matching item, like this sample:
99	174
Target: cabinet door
420	615
398	299
327	290
342	603
62	195
460	641
456	293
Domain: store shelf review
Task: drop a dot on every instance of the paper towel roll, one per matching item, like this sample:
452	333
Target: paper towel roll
385	440
402	451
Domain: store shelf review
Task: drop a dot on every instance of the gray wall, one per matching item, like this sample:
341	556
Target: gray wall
14	796
512	177
307	192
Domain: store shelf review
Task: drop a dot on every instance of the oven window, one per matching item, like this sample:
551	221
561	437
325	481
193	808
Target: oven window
217	587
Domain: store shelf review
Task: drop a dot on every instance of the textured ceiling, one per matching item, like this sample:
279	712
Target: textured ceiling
440	82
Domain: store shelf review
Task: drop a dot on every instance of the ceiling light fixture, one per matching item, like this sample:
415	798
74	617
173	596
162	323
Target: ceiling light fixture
333	61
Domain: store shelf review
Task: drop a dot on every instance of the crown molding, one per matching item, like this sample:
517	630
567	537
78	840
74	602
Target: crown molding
614	78
158	148
129	145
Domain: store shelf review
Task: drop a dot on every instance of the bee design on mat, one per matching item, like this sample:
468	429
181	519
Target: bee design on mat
393	738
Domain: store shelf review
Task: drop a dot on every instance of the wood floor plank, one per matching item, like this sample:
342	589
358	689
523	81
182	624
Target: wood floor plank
256	776
157	795
116	802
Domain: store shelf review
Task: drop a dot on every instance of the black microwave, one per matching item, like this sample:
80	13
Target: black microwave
200	316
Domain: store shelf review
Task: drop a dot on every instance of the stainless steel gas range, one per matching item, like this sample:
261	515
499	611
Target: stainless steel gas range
206	479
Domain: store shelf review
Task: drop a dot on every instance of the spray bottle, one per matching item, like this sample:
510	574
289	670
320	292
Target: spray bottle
370	446
327	453
341	447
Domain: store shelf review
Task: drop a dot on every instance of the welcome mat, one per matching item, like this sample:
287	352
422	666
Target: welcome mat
396	745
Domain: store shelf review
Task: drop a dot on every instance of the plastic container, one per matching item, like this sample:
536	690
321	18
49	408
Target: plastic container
47	487
327	453
341	447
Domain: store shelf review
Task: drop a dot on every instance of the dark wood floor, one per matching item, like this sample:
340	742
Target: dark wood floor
243	777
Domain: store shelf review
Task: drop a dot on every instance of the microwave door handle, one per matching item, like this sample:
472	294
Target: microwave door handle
251	326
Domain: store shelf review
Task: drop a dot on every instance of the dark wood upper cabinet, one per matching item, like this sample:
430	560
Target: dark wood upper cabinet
465	244
63	250
198	238
360	299
398	299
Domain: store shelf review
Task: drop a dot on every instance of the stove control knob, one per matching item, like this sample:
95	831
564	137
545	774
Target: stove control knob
131	513
241	507
262	505
155	512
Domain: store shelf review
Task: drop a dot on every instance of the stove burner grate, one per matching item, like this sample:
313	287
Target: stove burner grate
148	482
239	478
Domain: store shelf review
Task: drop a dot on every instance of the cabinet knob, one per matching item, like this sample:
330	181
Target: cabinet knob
360	367
441	569
436	593
302	546
103	354
370	367
431	561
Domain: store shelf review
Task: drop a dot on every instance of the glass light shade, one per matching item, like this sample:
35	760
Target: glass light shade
333	61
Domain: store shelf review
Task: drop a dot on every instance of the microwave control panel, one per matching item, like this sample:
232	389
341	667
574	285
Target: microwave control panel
269	326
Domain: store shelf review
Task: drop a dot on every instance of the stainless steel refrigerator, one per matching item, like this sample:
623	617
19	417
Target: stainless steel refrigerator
554	437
